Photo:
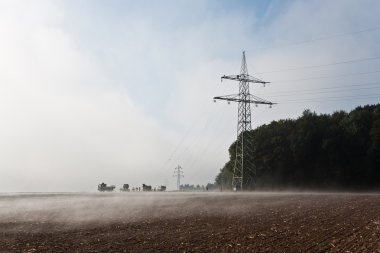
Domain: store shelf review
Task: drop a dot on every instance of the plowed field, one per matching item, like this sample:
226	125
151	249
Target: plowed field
184	222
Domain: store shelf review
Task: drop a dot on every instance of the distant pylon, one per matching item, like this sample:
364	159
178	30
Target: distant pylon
244	146
178	172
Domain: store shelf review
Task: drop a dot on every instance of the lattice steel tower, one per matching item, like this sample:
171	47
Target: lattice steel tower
244	170
178	173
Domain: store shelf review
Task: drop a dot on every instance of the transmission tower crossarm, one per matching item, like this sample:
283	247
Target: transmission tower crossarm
248	99
180	174
244	78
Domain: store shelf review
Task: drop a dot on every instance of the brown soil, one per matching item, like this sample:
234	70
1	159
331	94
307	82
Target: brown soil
232	222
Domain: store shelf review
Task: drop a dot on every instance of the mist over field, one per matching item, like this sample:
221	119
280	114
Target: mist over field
80	208
77	209
171	222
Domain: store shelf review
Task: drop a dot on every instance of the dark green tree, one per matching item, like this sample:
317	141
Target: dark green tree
337	151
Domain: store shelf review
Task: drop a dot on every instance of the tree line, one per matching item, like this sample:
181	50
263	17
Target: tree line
188	187
315	151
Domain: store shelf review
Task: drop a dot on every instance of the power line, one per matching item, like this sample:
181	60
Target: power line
220	145
325	77
322	92
216	124
204	148
188	130
210	122
195	140
331	98
327	37
321	65
289	69
326	88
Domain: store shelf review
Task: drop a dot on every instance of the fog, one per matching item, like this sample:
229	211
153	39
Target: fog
21	212
75	209
177	221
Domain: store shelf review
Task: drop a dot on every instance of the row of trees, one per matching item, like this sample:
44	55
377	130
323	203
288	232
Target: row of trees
188	187
337	151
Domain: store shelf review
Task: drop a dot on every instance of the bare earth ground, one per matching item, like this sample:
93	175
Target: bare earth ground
184	222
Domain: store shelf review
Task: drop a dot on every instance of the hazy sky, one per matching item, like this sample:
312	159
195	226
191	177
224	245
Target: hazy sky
121	91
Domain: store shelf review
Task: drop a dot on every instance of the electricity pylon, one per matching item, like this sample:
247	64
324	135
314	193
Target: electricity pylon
178	173
244	146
